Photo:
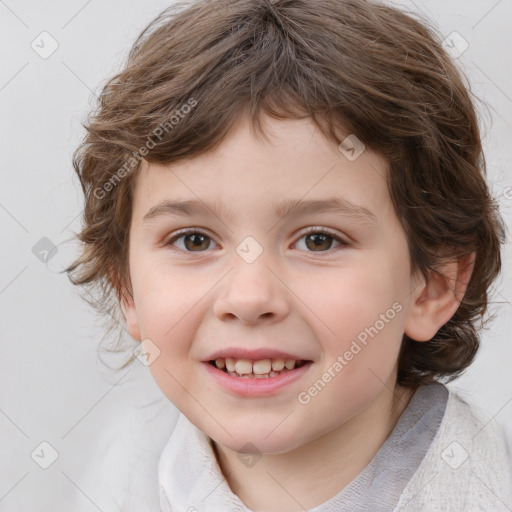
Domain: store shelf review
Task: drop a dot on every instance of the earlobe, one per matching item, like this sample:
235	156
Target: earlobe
439	298
130	313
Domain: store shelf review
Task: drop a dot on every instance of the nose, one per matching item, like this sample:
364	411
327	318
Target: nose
252	293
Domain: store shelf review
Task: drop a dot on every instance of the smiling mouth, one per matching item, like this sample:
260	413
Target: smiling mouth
261	369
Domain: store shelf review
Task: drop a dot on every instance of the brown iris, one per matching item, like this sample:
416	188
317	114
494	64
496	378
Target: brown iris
318	241
197	241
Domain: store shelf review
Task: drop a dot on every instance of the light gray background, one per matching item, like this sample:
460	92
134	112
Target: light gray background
52	386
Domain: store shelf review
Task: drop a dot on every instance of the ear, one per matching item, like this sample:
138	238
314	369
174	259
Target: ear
130	313
439	298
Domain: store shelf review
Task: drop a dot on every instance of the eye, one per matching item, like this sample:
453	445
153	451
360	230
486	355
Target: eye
193	240
320	240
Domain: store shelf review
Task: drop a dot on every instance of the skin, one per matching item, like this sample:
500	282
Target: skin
293	297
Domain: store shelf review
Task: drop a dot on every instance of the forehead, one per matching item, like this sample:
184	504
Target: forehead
248	173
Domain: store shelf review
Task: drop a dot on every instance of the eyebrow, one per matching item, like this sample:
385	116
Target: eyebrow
282	209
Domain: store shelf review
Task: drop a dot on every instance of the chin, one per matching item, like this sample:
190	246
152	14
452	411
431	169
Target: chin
255	439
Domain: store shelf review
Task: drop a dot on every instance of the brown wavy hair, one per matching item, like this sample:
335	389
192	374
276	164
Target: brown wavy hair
353	66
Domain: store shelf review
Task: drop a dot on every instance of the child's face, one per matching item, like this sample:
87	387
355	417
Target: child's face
310	297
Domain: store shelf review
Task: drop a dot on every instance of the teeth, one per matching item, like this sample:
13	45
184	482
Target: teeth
290	364
277	365
243	367
260	369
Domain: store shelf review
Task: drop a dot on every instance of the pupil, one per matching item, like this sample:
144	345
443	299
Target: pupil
197	240
318	239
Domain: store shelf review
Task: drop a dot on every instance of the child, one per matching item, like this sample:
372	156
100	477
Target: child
287	201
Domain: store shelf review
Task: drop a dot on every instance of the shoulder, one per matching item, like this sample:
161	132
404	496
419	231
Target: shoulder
130	465
122	466
467	466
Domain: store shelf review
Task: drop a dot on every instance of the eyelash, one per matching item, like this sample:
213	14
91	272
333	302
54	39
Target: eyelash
313	230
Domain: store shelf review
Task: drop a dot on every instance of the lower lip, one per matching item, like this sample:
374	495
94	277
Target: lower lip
256	387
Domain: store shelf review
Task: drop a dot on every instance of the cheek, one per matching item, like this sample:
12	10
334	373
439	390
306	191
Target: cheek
351	299
359	317
168	320
170	311
162	308
167	300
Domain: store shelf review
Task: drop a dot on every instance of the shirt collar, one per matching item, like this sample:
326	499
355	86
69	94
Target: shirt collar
191	480
189	475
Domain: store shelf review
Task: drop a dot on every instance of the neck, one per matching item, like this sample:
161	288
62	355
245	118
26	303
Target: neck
284	482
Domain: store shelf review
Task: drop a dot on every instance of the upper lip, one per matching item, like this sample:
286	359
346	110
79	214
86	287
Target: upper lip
253	354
